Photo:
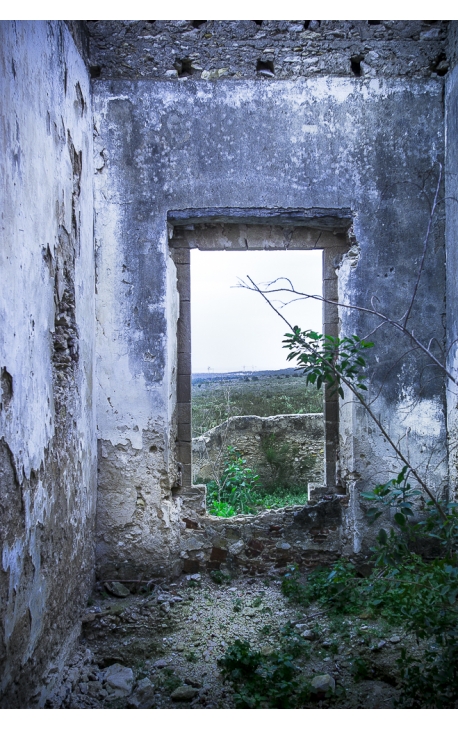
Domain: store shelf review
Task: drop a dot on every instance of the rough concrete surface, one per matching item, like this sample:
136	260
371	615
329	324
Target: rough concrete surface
368	146
47	438
451	190
263	49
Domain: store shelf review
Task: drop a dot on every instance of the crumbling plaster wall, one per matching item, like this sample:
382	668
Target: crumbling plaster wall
451	203
370	146
250	49
47	422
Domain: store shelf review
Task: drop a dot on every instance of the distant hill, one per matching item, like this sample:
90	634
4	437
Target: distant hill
244	375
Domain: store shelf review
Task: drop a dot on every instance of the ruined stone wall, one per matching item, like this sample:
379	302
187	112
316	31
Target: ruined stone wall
251	49
309	536
47	424
288	449
366	149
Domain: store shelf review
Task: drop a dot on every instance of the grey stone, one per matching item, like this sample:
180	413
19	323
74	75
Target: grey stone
193	682
395	639
160	664
379	646
120	679
162	598
143	696
93	688
185	693
323	684
235	549
117	589
309	635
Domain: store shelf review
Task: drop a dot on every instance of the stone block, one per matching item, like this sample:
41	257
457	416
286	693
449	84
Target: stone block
181	255
184	363
191	565
183	388
218	555
184	432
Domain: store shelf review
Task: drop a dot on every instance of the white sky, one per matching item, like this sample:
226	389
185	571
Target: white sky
235	329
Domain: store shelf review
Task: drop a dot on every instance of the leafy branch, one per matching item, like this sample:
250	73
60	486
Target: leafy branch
317	357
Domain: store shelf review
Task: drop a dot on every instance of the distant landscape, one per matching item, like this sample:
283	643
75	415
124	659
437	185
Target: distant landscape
218	396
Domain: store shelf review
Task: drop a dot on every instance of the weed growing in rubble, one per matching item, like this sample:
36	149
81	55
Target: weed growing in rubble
260	681
417	594
404	589
238	490
167	679
233	492
219	577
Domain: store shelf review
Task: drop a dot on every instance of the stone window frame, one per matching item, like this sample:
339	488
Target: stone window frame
240	229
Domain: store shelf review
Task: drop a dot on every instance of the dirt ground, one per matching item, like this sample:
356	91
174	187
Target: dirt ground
159	648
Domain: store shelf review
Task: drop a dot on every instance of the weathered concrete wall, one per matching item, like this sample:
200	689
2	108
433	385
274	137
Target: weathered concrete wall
248	49
294	443
451	204
47	424
368	146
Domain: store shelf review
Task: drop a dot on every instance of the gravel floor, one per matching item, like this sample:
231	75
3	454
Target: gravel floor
160	649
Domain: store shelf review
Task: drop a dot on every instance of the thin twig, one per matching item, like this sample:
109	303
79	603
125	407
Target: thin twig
394	323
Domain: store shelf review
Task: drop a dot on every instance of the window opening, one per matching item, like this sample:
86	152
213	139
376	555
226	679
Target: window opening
258	432
220	235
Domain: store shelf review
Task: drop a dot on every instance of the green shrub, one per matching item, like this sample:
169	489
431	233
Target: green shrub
263	681
239	492
219	577
233	493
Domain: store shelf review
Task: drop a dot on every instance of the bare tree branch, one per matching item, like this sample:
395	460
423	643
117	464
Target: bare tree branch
368	409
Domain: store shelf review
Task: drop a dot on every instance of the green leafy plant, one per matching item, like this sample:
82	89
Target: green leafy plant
438	524
280	457
191	657
233	493
359	668
221	509
326	359
262	681
167	679
219	577
419	595
336	588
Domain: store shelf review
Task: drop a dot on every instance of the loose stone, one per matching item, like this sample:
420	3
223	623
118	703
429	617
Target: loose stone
117	589
185	693
323	684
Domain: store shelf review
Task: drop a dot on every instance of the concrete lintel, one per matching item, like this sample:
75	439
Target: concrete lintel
334	219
